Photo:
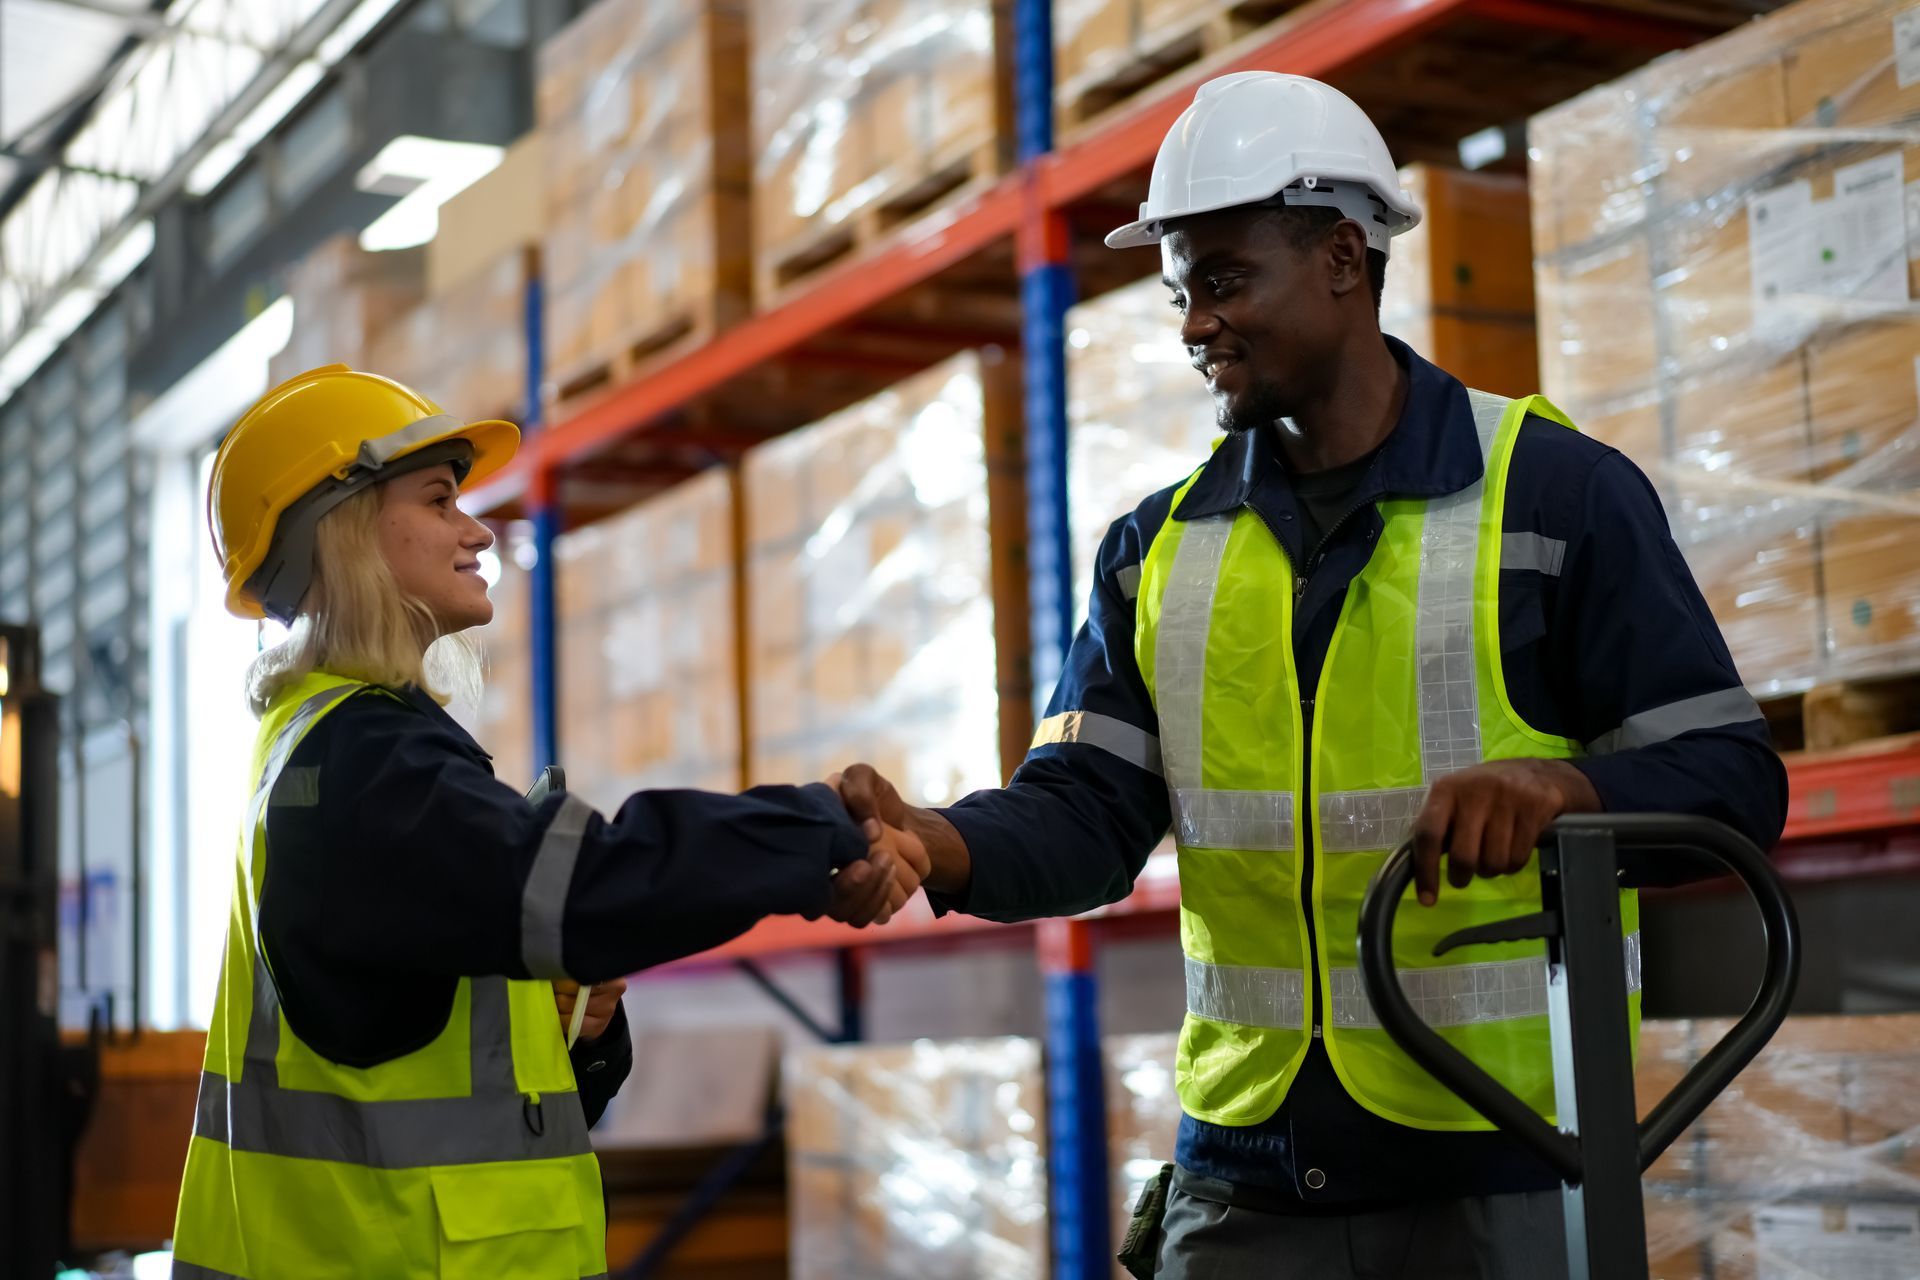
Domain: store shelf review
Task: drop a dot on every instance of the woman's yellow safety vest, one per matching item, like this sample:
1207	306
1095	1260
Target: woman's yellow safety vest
466	1158
1411	689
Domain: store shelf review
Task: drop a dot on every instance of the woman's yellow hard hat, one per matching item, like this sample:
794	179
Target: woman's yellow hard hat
305	447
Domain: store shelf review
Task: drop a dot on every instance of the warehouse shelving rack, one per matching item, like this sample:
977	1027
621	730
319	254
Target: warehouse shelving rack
1852	814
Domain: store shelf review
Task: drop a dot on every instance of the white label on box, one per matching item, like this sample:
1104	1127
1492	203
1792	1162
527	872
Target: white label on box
1913	218
1863	236
1859	1241
1906	47
1778	240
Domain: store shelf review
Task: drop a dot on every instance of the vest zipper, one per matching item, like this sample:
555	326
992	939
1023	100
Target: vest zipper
1303	820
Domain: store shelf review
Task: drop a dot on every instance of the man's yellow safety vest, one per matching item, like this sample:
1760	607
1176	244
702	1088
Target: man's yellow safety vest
466	1158
1411	690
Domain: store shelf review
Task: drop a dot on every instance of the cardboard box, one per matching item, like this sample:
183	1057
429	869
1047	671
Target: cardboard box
1598	335
924	1159
343	298
1872	578
1742	423
1863	395
1091	39
500	214
1760	581
1862	70
874	619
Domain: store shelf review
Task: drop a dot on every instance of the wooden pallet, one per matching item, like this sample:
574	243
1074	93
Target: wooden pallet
675	334
1842	713
781	269
1160	54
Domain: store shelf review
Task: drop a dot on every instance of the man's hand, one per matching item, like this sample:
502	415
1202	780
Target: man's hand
602	999
948	867
1487	819
870	891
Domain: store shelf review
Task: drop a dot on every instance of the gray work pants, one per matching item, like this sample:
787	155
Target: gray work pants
1510	1237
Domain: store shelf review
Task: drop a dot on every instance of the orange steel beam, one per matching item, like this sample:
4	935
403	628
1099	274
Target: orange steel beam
837	295
1318	40
1595	22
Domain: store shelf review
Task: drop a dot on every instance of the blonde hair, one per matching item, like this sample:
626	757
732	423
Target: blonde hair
356	621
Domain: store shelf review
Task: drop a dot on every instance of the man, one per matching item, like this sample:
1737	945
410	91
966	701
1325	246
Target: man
1428	610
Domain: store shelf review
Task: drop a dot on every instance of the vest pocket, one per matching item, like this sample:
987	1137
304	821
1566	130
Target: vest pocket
512	1219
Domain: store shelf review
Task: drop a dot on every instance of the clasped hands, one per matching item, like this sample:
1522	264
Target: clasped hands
870	891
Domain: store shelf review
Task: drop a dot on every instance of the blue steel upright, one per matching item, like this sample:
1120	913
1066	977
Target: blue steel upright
1077	1181
541	640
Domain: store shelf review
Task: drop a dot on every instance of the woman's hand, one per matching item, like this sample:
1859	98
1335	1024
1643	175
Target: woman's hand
602	999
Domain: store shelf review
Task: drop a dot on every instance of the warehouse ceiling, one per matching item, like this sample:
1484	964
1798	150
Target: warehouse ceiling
55	55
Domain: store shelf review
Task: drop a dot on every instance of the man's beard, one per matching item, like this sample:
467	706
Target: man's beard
1262	404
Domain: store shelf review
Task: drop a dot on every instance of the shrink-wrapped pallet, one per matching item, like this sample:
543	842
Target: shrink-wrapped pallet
1726	283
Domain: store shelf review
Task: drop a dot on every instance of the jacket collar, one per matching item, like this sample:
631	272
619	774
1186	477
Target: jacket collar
1433	449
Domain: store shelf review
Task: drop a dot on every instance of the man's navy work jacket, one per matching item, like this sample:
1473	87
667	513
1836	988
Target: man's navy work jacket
1605	639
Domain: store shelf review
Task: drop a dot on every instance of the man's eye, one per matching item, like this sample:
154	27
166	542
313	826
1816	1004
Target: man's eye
1178	304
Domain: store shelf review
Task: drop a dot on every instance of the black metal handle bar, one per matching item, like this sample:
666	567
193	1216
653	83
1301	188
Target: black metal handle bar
1636	834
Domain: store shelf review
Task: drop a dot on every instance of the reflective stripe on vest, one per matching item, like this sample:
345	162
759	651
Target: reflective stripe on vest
1453	995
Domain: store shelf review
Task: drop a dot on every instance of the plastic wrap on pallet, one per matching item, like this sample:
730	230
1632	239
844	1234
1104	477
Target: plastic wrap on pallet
343	298
859	103
1807	1166
643	121
465	348
924	1159
648	690
502	723
869	615
1138	416
1143	1116
1728	251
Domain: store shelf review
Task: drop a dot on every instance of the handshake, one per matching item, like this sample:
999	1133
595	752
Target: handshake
906	849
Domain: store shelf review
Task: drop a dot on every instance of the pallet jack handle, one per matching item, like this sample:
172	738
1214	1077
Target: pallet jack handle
1582	844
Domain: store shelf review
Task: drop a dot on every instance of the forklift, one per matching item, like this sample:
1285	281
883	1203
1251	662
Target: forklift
1597	1148
46	1088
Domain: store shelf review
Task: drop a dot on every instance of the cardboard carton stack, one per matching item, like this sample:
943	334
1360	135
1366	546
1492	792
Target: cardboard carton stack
465	345
643	108
1726	283
925	1159
869	615
648	689
503	722
864	112
1804	1166
343	297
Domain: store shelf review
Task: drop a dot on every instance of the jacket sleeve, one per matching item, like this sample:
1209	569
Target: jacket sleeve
601	1066
1667	724
1088	805
437	867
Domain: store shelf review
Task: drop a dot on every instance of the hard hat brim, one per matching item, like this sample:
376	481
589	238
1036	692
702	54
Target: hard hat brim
1149	231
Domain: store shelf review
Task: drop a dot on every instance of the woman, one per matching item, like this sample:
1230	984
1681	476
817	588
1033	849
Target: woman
387	1089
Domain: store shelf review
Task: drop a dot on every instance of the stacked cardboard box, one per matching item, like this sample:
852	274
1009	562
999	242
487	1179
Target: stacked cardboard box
343	298
1104	48
648	690
1460	285
1726	284
1804	1166
465	345
1139	417
643	108
503	723
864	107
869	618
925	1160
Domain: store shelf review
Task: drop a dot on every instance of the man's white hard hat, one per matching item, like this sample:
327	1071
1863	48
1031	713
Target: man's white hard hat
1257	135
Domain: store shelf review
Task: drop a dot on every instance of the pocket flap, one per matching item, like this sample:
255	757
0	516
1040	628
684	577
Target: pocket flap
481	1202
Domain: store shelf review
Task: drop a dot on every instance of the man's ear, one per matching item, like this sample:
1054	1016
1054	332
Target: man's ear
1345	254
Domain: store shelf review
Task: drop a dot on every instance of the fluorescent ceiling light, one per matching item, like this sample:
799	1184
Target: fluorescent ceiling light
341	40
430	171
